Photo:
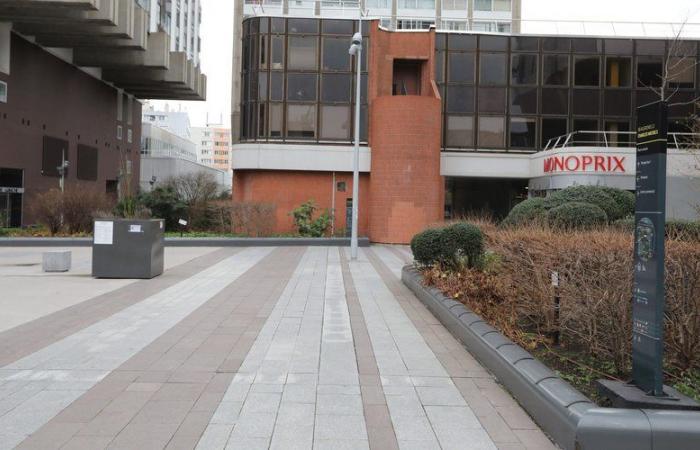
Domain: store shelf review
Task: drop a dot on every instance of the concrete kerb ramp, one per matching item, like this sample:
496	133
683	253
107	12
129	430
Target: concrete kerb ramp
572	420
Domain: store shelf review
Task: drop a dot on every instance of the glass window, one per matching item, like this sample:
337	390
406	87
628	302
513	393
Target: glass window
277	25
335	54
555	101
301	121
524	44
483	5
303	52
586	102
262	132
618	134
301	87
335	122
492	132
461	67
302	26
461	42
336	87
618	102
523	69
277	86
587	45
460	99
262	86
493	68
439	67
555	70
682	72
619	46
493	43
454	5
647	47
440	41
501	5
459	131
382	4
523	100
337	27
552	128
492	100
552	44
263	51
586	71
277	52
618	71
276	120
649	71
523	132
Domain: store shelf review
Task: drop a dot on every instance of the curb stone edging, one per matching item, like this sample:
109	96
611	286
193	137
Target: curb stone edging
191	242
572	420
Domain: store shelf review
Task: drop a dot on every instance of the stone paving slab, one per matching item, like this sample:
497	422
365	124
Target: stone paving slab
284	348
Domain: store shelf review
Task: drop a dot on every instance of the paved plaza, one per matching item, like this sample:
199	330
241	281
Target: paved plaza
240	348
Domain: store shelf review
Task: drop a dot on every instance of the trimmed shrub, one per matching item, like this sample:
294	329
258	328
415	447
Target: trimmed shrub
576	215
165	204
527	212
587	194
683	230
462	244
427	246
624	199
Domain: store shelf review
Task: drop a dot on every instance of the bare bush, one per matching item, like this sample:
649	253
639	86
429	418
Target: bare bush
194	188
253	219
596	275
80	207
47	209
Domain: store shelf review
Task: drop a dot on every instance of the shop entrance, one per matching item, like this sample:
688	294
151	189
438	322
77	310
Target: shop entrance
482	196
11	191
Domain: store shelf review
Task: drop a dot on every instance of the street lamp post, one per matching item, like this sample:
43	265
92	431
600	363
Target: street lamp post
356	51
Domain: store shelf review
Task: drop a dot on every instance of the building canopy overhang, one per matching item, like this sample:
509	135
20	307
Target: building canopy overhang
112	39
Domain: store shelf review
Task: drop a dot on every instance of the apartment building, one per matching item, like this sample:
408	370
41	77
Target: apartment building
213	145
452	122
72	78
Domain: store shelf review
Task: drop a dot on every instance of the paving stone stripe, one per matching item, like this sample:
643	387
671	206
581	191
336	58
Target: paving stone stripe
426	408
508	425
380	430
204	350
299	385
42	384
28	338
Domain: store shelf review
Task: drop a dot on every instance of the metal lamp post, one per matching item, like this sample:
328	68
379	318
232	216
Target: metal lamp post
356	51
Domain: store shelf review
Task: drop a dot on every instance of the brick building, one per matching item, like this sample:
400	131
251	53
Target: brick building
451	122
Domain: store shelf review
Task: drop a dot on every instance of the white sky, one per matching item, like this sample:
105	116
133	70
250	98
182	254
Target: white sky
217	37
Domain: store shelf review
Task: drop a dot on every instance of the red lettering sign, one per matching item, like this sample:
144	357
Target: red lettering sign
585	163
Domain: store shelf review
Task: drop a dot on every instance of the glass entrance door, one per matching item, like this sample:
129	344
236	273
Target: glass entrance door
5	210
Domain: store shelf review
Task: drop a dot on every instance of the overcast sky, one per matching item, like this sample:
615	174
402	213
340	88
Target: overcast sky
217	18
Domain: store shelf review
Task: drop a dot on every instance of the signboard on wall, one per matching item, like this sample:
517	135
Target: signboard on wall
648	298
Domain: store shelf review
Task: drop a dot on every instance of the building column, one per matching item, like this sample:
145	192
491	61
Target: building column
236	72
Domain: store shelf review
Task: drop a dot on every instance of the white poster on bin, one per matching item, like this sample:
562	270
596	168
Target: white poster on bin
104	233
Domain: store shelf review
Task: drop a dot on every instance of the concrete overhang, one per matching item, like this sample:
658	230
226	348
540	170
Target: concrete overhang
109	39
305	157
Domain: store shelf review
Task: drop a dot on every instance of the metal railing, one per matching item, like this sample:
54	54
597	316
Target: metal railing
450	23
608	139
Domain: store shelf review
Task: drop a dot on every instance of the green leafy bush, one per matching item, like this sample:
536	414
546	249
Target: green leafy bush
165	203
427	246
625	199
305	223
681	230
462	244
527	212
577	215
587	194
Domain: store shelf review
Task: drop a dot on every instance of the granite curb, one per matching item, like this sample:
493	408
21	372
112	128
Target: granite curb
571	419
192	242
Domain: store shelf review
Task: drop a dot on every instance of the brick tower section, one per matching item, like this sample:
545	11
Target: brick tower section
407	191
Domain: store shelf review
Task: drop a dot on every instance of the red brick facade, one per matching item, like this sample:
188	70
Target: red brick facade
404	192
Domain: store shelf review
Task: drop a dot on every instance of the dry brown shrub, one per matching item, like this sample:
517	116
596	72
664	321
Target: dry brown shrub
255	219
72	211
46	207
595	271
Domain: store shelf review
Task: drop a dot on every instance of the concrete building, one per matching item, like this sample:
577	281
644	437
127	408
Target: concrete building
177	122
451	122
213	145
72	75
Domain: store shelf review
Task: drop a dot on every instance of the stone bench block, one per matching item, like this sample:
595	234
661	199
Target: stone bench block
56	261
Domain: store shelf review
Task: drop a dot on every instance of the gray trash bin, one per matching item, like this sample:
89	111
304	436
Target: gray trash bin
126	248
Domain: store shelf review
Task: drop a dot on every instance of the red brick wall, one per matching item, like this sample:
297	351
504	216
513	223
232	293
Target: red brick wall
407	191
289	189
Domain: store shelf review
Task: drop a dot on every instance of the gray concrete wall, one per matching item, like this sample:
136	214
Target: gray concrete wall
164	168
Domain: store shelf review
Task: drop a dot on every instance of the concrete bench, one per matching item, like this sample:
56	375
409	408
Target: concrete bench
56	261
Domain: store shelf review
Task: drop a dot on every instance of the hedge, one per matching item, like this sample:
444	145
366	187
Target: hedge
577	215
682	230
453	245
587	194
527	212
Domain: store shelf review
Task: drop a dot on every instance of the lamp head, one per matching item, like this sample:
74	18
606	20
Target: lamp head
356	43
